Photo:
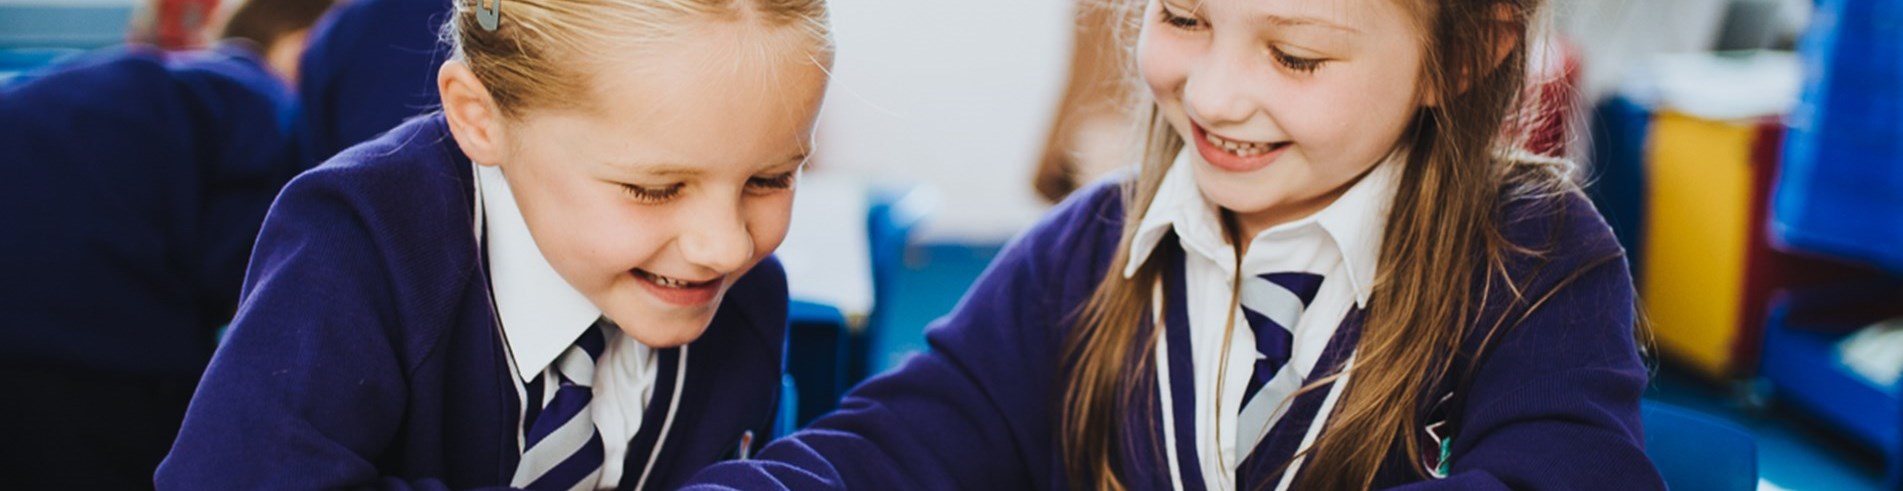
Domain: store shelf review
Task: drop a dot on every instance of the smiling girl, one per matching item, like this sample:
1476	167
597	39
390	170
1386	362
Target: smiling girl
561	281
1334	270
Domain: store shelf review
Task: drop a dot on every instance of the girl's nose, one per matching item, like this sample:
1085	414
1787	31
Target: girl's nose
1217	93
717	241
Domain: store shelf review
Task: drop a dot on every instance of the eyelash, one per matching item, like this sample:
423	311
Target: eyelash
772	183
1296	63
662	194
652	195
1179	22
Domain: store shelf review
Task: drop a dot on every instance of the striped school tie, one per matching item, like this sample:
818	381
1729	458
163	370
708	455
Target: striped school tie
1272	303
561	447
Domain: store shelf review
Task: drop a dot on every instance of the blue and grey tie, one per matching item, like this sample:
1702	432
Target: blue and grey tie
561	447
1272	303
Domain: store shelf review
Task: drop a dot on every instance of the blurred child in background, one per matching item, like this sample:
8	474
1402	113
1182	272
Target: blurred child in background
370	66
136	182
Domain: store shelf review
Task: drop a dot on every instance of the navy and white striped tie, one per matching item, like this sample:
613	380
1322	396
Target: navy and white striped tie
1272	303
561	448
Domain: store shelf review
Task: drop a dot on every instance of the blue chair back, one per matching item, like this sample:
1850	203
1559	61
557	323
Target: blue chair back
787	420
1839	191
893	215
1697	452
16	64
816	354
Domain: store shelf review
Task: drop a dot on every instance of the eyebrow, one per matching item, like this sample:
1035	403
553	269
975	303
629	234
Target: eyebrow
679	170
1285	21
792	162
1272	19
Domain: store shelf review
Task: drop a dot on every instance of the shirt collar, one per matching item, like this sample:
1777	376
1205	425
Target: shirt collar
541	313
1355	223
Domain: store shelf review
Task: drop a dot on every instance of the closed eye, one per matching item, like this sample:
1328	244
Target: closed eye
652	195
1297	63
773	182
1178	21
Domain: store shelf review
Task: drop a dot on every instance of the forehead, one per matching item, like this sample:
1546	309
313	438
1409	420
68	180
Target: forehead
1353	16
723	91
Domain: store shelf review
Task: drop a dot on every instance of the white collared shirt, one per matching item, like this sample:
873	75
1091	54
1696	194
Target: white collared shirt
542	315
1341	242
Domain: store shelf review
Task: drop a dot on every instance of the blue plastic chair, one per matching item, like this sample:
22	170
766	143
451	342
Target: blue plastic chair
1617	186
893	215
787	420
1697	452
825	357
17	64
1840	192
816	355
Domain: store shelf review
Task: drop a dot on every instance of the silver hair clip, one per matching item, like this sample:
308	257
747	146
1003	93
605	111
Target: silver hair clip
489	14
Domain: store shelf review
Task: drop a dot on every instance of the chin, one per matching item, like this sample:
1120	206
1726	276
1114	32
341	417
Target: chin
1239	196
663	335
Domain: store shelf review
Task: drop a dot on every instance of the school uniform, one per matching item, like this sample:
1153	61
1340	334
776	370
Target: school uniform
400	330
370	65
1550	403
135	183
1299	282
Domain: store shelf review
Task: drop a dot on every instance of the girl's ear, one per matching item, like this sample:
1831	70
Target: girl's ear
1503	33
473	118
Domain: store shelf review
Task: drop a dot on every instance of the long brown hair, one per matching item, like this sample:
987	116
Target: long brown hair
1443	230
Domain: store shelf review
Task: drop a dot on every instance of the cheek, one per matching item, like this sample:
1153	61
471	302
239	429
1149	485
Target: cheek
768	218
1354	116
599	252
555	213
1163	63
626	236
599	235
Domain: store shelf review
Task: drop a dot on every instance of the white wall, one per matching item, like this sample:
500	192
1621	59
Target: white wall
957	94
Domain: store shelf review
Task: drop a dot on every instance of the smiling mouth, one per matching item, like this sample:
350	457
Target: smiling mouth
1233	155
1240	148
671	282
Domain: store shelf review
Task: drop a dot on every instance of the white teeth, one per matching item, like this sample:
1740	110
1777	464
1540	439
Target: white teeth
1238	148
664	281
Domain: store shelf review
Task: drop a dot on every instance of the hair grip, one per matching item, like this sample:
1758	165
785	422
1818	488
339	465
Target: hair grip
489	14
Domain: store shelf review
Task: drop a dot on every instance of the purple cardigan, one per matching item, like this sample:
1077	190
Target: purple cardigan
1553	403
365	353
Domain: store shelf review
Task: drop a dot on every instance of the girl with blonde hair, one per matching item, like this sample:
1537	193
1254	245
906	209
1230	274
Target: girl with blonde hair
562	280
